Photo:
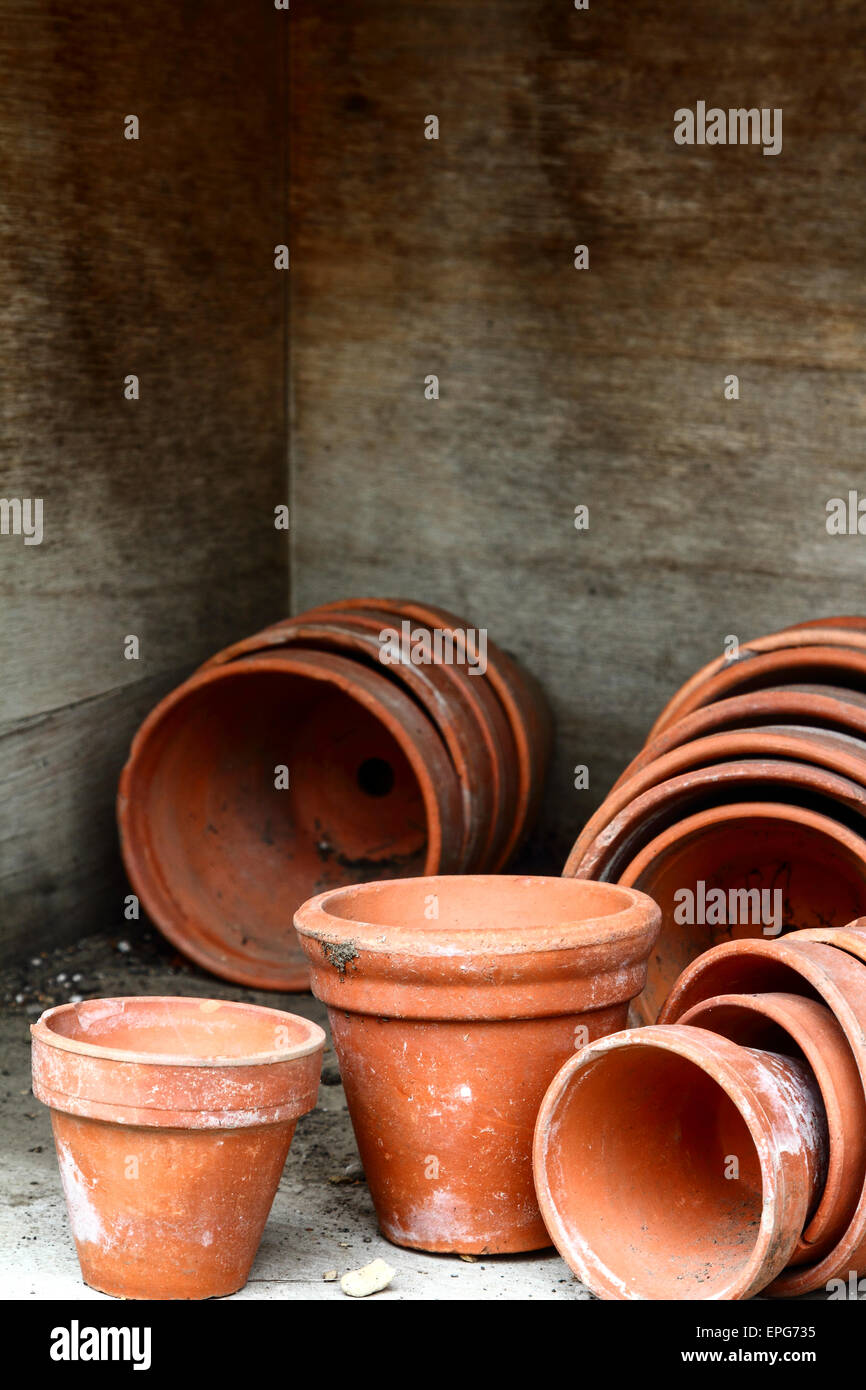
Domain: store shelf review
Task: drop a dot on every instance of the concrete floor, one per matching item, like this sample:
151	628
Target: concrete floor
322	1218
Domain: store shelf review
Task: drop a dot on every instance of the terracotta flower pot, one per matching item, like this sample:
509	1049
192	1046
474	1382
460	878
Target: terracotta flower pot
519	693
793	966
820	747
838	665
795	867
755	779
221	855
672	1164
172	1120
791	708
452	1003
802	1028
464	709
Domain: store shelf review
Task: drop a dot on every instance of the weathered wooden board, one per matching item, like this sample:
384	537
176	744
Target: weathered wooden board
561	387
152	257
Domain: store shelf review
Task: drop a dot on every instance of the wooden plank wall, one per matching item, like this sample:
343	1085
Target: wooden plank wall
559	387
153	258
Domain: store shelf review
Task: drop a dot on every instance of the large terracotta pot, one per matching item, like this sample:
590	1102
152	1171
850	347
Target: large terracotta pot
673	1164
795	966
464	709
172	1120
836	664
777	867
820	747
795	1026
453	1001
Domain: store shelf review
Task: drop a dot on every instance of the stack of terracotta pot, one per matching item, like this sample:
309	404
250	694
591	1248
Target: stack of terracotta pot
723	1150
366	739
745	813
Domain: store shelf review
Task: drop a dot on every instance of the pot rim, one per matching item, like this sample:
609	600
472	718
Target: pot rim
820	748
613	846
795	1015
714	816
43	1033
689	1042
820	650
220	954
313	920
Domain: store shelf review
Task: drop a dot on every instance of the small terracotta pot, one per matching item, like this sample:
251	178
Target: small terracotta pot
802	1028
820	747
756	779
839	665
672	1164
449	1028
172	1120
221	856
519	693
791	708
795	966
805	863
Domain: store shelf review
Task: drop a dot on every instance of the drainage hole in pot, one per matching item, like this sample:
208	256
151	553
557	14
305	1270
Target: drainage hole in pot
375	777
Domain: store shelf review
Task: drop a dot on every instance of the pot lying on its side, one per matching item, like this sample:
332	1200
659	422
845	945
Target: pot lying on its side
802	1028
256	784
796	965
172	1119
674	1164
453	1001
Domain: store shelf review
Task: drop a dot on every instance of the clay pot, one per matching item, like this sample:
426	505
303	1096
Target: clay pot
757	848
840	665
172	1120
858	624
850	938
634	1156
465	711
795	966
820	747
519	694
808	635
221	856
756	779
805	1029
452	1003
819	707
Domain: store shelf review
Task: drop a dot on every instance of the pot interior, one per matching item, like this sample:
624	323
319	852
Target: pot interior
235	852
495	902
743	877
173	1028
639	1173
